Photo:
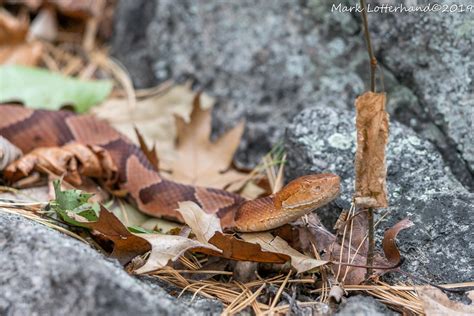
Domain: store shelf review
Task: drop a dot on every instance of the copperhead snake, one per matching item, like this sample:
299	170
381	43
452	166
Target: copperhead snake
29	129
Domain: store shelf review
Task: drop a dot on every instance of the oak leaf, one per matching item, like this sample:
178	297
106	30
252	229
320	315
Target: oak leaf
153	116
166	248
201	162
203	225
276	244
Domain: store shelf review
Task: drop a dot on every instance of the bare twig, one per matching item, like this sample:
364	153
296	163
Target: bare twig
373	67
373	60
371	248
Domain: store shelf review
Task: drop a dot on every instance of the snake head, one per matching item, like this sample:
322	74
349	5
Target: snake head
309	192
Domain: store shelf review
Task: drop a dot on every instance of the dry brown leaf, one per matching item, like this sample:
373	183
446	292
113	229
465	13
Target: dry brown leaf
200	161
372	136
207	229
389	243
71	161
436	303
108	228
237	249
153	116
150	153
8	152
276	244
203	225
126	245
13	46
12	30
166	248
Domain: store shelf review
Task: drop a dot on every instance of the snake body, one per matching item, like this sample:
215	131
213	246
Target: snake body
30	129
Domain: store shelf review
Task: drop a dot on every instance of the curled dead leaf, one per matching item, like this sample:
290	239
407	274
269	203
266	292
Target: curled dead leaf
389	243
72	161
372	136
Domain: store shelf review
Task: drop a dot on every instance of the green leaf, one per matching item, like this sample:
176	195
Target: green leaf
139	230
73	207
69	199
40	88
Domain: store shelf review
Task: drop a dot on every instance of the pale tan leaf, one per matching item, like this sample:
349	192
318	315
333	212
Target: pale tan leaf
436	303
166	248
252	191
8	153
203	225
268	242
372	136
153	116
199	161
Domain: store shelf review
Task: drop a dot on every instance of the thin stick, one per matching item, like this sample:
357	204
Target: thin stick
373	67
373	60
371	249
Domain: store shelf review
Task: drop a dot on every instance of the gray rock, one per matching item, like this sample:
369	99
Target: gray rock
431	53
264	61
268	60
439	247
47	273
360	305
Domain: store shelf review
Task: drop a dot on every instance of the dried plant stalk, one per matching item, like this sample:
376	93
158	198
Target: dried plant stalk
372	136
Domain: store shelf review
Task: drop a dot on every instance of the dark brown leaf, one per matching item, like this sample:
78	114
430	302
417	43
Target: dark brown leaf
237	249
126	245
150	153
389	244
